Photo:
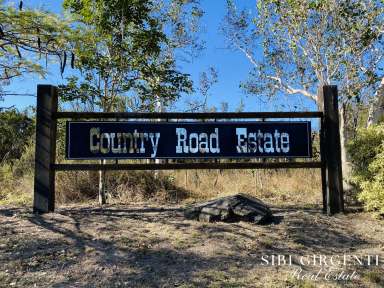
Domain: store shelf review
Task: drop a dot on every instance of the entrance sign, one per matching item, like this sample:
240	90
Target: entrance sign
217	139
174	140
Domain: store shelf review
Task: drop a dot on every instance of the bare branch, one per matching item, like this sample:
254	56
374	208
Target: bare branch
290	90
282	86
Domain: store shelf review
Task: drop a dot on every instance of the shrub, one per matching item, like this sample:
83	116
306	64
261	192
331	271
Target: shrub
25	165
373	190
367	153
16	129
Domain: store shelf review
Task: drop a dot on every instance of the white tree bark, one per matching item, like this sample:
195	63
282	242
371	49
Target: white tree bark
376	108
346	164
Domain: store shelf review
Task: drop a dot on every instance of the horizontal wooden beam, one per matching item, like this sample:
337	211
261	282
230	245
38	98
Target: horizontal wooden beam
180	166
177	115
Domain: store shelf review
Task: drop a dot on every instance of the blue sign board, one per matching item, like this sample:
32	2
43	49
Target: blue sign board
199	140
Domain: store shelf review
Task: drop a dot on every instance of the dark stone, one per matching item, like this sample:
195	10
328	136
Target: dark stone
239	207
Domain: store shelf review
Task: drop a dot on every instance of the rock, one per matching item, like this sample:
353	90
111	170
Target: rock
239	207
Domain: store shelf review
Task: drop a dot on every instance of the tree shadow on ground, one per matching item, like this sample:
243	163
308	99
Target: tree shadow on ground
74	239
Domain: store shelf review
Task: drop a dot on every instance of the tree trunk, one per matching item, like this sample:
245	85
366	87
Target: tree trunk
376	108
102	198
345	160
159	108
106	108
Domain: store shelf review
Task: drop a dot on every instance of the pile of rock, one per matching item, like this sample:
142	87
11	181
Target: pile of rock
234	208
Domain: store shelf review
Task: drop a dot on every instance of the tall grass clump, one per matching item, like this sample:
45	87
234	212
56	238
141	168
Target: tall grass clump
16	178
121	187
281	187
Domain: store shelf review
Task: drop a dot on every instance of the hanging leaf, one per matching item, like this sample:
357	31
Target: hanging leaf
61	63
38	39
18	51
21	5
72	60
1	32
64	63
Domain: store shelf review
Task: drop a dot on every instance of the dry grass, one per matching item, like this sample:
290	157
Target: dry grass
16	191
276	186
289	187
76	186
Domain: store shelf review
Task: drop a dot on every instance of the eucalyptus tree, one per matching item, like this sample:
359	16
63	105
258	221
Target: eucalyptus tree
376	107
207	79
28	38
125	51
296	46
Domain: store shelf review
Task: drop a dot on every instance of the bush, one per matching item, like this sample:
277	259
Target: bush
373	190
16	129
367	153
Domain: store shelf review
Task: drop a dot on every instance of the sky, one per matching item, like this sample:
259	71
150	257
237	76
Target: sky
232	67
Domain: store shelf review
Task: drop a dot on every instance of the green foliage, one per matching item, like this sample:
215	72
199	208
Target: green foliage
373	191
367	153
16	129
364	148
25	37
124	54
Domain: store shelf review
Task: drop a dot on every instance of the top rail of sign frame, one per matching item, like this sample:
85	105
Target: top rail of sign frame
186	115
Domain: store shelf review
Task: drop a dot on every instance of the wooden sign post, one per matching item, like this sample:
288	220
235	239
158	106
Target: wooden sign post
45	153
331	151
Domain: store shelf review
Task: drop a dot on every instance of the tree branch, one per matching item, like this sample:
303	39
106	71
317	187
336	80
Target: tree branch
282	86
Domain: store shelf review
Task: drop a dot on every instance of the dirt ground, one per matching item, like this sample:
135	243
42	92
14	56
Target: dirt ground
154	246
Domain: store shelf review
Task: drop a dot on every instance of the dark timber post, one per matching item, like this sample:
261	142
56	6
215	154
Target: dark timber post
44	187
331	151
